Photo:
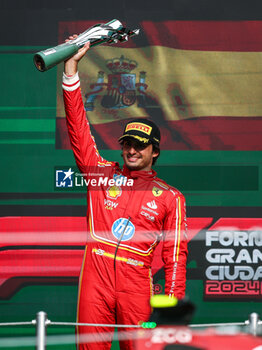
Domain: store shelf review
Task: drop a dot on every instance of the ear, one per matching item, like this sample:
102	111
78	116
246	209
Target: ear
155	153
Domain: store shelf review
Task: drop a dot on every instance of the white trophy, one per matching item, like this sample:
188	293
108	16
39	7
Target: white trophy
111	33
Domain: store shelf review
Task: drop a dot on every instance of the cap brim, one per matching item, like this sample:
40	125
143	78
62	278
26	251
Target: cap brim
142	140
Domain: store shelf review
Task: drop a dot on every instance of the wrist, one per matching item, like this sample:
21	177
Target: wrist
70	68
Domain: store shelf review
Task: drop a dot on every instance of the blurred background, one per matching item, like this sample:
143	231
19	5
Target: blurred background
195	69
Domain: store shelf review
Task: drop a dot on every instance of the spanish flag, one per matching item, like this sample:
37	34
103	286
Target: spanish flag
199	81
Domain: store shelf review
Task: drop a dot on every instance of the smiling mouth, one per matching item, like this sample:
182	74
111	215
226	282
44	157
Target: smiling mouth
132	158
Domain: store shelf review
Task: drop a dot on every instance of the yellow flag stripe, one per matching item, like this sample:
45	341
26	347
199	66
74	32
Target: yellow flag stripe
184	83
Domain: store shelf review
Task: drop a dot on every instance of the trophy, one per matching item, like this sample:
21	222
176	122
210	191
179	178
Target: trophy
111	33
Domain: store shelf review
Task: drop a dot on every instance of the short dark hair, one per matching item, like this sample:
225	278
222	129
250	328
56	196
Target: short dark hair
155	149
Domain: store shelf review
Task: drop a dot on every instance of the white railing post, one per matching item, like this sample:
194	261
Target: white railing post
253	323
41	318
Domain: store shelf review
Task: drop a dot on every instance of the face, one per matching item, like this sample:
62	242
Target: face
136	155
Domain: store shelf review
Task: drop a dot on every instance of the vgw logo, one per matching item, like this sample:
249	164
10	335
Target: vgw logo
64	178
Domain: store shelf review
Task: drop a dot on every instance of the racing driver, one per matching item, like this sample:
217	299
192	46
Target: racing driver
125	223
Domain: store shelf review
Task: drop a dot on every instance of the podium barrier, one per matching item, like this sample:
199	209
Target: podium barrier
42	322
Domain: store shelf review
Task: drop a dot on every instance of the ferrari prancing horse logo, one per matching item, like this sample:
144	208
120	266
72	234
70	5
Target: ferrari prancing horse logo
156	191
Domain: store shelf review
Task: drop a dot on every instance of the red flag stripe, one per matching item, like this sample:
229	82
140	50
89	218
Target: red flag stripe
187	35
206	35
216	133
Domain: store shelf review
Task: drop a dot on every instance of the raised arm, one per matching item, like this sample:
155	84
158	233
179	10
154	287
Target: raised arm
82	142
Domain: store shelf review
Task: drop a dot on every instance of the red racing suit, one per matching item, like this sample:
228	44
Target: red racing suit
125	223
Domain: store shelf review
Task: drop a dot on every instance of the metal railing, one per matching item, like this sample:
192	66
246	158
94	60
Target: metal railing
42	322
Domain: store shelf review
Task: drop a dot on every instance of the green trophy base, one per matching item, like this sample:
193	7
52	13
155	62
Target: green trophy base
47	59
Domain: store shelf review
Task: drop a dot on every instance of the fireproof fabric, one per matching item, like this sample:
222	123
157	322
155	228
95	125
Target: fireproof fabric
128	213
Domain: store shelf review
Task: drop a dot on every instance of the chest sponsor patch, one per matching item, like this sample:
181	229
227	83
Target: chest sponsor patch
114	192
148	216
150	210
152	204
123	229
110	205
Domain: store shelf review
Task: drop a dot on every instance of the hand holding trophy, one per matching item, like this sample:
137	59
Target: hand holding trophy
111	33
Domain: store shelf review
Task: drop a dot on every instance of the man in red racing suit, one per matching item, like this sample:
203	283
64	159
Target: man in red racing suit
126	219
